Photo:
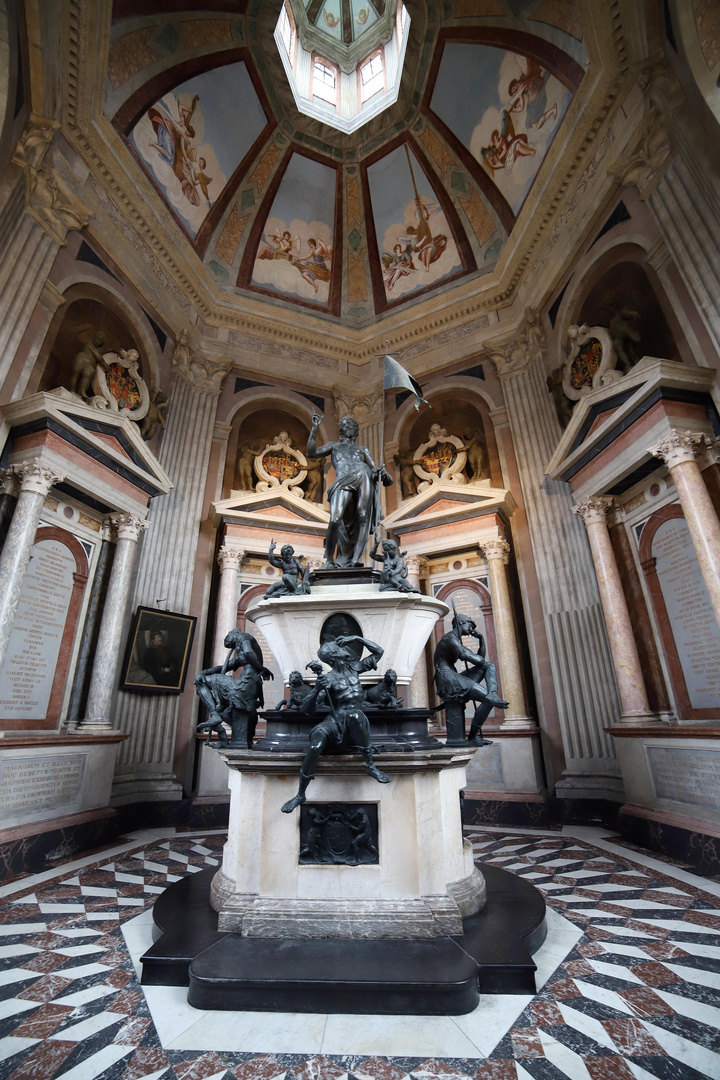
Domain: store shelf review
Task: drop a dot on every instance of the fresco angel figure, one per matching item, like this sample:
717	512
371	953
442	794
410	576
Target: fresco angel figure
399	264
279	245
314	264
505	146
529	95
174	143
427	247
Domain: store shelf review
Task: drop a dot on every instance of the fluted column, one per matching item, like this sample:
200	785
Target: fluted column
109	645
167	568
578	649
35	483
628	670
419	689
496	553
229	560
679	451
36	219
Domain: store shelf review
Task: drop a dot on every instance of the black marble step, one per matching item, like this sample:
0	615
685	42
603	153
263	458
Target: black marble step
439	977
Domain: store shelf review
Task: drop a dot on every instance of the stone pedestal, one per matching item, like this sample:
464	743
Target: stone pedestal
421	884
400	622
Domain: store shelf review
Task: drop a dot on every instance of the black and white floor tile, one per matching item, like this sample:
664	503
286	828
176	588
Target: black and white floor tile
628	982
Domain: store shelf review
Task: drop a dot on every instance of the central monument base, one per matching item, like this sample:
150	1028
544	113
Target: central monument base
439	977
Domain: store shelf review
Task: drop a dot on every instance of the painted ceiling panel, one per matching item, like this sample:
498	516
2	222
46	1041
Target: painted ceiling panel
294	257
504	108
414	239
193	139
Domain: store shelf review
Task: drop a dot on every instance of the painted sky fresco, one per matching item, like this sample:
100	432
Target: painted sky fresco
294	256
193	138
416	246
504	107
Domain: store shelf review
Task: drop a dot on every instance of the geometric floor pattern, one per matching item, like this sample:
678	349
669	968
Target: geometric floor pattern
633	994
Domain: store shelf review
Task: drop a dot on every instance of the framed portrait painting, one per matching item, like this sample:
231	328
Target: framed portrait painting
158	652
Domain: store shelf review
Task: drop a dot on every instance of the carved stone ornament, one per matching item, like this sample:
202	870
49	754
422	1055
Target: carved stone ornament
679	447
590	362
53	204
121	389
33	476
201	372
129	526
281	465
528	346
440	460
35	141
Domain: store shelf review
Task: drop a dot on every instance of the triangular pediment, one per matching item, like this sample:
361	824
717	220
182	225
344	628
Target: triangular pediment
275	504
604	414
442	504
107	437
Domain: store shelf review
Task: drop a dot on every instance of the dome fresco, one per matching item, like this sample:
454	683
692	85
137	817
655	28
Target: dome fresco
283	208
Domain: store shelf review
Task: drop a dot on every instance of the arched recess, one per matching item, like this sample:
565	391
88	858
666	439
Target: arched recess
690	668
458	411
258	416
89	306
64	606
621	270
273	691
481	612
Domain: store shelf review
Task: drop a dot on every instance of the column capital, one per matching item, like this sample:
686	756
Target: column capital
364	407
35	141
128	526
204	373
35	477
522	351
230	558
416	564
53	204
679	446
497	548
593	510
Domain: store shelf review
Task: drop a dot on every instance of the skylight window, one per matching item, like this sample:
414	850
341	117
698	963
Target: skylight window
372	77
324	82
343	81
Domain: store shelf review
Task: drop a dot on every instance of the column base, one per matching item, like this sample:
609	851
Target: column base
91	725
133	789
518	723
643	719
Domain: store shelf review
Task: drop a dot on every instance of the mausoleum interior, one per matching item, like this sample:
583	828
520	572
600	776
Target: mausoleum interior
225	226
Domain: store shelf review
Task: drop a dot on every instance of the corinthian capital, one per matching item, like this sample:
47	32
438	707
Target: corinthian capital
230	558
593	510
680	446
129	527
35	477
202	372
646	158
53	205
497	548
364	407
524	349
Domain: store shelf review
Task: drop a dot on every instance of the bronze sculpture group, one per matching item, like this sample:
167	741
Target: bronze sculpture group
354	513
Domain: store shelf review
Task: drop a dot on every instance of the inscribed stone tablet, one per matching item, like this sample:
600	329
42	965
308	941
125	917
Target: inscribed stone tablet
41	783
693	623
27	674
686	775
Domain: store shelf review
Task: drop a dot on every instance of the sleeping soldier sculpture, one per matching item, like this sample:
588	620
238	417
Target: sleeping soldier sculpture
347	726
231	700
458	687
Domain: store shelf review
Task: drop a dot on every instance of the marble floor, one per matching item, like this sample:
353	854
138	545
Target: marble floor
628	980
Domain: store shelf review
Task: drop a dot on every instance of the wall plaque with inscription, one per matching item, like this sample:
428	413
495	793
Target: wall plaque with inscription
693	623
29	784
686	775
467	602
28	671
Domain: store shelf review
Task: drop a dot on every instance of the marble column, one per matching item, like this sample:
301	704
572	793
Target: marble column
39	212
496	553
109	648
36	480
419	688
91	629
679	452
229	560
578	650
628	670
167	569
